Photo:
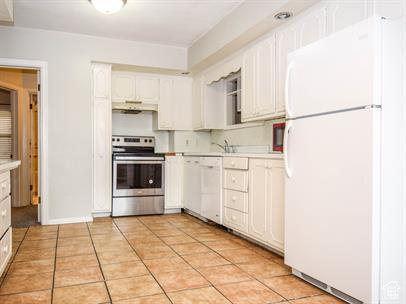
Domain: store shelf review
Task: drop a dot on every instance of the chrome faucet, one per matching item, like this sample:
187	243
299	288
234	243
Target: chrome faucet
226	148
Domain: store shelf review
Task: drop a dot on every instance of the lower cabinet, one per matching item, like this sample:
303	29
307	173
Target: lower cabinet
266	201
173	182
259	212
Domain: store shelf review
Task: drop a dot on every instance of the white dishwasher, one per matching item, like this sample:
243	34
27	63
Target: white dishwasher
211	188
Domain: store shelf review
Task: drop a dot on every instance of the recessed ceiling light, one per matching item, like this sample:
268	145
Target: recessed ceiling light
108	6
283	15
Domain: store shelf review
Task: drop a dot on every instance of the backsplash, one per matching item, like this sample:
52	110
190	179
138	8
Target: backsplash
251	136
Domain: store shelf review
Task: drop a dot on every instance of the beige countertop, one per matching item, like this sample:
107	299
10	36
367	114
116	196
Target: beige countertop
251	155
7	165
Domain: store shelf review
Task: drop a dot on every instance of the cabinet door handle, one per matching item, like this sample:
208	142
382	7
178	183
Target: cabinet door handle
4	213
233	198
5	249
233	179
233	163
233	218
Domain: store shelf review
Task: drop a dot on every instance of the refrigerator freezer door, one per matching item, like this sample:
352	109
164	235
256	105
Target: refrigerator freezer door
339	72
332	200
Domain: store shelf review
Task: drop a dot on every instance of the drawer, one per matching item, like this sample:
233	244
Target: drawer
235	163
236	180
5	215
236	220
4	185
236	200
5	250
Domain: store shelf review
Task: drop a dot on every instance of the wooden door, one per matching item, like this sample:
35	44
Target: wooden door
34	148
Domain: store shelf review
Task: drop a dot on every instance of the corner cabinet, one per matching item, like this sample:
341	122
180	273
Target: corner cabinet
101	138
173	182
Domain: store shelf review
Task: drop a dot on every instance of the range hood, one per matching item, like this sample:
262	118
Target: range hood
133	107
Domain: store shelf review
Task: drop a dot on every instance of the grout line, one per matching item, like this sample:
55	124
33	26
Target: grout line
140	257
53	275
100	267
13	256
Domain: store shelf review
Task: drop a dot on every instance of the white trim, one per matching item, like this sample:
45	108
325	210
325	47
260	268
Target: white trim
101	214
42	66
173	210
70	220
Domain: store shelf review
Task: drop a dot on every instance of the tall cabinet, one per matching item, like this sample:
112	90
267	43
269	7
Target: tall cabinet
101	138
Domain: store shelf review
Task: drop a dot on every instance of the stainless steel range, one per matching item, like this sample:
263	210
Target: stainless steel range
138	176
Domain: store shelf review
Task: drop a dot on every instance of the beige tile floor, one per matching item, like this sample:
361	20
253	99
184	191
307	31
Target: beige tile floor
147	259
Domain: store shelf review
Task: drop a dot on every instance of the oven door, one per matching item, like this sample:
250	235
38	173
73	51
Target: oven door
140	177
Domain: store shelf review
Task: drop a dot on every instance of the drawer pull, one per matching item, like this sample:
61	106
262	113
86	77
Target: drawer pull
233	218
233	163
233	198
233	179
4	213
3	186
5	249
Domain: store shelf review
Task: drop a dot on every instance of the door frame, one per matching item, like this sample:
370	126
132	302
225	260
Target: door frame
42	67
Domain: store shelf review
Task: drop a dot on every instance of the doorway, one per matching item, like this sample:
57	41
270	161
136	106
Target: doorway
19	114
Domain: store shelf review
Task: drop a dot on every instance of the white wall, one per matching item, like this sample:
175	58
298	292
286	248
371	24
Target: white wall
140	125
69	58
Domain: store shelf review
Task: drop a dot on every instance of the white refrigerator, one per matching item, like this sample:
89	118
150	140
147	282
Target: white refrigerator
343	132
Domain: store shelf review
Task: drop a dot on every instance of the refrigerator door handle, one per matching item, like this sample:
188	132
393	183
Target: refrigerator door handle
286	150
288	72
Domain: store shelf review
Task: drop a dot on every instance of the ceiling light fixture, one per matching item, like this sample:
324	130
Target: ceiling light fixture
283	15
108	6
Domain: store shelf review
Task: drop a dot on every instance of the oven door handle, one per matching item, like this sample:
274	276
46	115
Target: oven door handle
138	158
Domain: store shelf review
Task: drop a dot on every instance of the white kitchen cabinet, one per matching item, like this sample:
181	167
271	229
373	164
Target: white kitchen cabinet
259	197
197	102
342	13
173	182
248	79
101	138
192	184
147	88
175	104
311	27
166	106
266	202
276	205
258	81
285	42
208	104
122	87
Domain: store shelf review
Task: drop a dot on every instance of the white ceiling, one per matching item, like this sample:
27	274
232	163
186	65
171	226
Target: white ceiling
172	22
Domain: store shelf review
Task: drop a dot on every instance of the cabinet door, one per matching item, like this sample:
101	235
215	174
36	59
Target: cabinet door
312	27
285	43
147	89
173	182
197	103
101	138
258	199
342	13
182	103
187	182
265	97
166	107
248	81
122	87
276	204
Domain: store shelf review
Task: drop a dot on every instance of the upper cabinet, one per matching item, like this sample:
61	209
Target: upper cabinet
197	102
258	81
128	86
311	27
147	88
123	87
342	13
175	104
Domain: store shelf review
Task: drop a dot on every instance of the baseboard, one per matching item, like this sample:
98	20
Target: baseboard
170	211
70	220
101	214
